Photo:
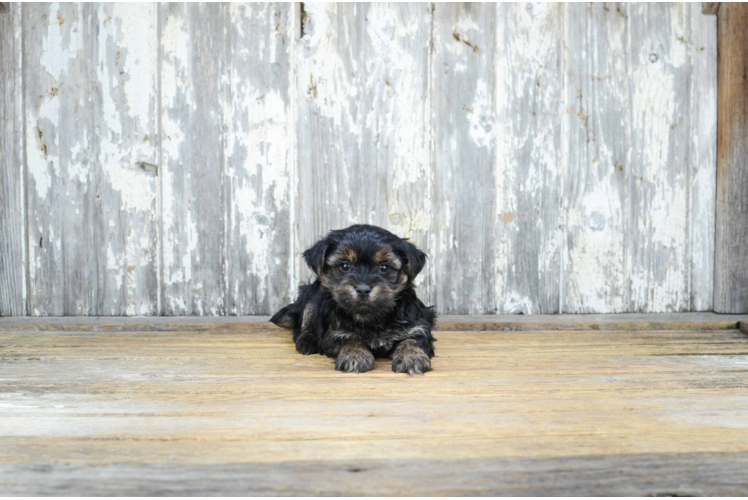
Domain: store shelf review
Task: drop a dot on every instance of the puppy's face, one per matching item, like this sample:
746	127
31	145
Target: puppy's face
365	268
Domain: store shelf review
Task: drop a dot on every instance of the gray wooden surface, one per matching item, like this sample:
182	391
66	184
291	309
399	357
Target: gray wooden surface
731	276
12	223
177	159
640	475
619	404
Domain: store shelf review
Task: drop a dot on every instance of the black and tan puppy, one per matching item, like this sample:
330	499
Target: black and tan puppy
362	304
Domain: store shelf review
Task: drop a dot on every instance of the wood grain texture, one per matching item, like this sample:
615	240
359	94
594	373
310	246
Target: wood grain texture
616	216
731	247
649	474
194	88
597	109
91	91
506	322
703	143
529	99
363	122
464	226
181	157
127	189
12	202
62	145
258	124
658	232
710	8
194	404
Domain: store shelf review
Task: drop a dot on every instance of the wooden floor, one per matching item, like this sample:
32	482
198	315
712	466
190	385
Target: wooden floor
636	405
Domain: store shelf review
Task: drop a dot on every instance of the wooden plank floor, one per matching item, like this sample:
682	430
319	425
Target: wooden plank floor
234	410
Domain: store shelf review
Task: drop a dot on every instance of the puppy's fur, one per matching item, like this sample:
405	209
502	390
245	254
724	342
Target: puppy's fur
362	303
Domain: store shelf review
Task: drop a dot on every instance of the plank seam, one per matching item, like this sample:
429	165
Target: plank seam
25	167
160	201
629	167
226	185
296	34
690	157
431	237
565	165
107	325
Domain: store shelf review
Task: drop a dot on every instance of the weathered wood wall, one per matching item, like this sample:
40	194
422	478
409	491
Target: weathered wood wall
176	159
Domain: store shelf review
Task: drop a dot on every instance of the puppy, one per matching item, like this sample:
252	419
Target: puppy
362	304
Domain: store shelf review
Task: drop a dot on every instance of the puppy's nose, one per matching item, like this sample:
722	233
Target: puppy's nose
363	290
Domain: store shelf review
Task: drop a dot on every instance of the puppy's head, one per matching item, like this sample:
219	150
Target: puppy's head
365	268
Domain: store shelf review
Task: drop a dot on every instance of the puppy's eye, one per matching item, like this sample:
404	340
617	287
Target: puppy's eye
384	268
345	266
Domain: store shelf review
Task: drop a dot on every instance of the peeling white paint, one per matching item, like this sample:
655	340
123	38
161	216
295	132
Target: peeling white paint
481	117
514	303
62	43
127	51
659	113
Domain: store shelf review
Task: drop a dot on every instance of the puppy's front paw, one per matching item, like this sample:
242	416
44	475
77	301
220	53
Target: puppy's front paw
307	344
354	359
409	358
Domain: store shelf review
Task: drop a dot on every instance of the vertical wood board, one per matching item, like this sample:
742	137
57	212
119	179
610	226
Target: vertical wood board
363	121
703	143
658	231
258	123
61	156
12	209
464	157
731	248
127	218
194	89
529	175
595	197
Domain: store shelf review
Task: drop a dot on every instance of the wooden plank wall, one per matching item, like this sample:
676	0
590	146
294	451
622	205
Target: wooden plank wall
170	159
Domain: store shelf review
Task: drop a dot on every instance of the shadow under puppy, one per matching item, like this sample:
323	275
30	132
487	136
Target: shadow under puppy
362	304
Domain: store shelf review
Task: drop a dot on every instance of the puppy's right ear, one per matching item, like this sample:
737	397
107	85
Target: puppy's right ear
315	256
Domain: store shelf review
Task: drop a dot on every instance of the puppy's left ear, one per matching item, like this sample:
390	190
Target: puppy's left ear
414	259
315	256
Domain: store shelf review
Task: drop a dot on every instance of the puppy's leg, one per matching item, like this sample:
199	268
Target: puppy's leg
334	340
412	354
409	358
307	342
354	357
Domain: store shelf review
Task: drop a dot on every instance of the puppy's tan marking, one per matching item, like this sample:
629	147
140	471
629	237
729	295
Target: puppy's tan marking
385	255
306	319
343	292
342	254
349	254
306	343
402	281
